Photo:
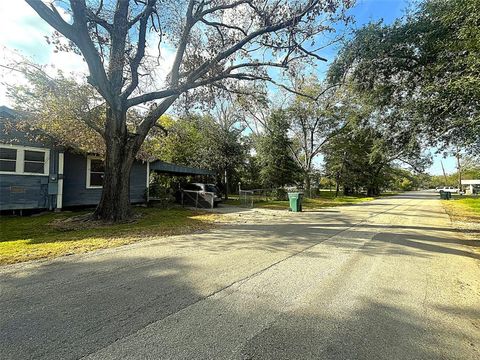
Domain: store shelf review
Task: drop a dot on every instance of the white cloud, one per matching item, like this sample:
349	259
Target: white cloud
22	33
158	62
20	26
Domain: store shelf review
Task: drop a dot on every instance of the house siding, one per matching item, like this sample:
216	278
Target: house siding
19	191
76	193
23	192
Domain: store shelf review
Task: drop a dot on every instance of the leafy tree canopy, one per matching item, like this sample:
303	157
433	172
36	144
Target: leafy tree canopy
204	141
364	157
65	111
423	71
216	45
277	166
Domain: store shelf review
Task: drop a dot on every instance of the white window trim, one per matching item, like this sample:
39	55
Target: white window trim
20	163
61	160
89	168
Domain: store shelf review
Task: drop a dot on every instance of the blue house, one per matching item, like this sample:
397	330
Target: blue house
35	175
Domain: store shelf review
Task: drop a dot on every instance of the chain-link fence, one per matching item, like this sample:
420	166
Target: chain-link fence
248	198
197	199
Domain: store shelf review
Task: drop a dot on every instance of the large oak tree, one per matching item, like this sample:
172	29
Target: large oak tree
218	44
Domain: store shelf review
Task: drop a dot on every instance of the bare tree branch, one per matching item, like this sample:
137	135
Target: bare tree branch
78	33
183	44
98	20
140	53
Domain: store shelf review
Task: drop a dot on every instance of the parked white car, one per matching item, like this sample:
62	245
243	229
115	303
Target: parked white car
450	189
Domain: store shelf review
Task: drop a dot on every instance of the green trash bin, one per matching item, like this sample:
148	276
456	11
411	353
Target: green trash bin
295	200
445	195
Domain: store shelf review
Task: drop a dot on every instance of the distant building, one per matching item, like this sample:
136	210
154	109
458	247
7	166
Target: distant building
472	186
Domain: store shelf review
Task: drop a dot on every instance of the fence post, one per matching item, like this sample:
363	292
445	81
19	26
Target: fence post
196	200
183	205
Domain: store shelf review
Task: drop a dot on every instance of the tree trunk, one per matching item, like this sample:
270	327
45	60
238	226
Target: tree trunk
337	183
337	178
307	185
459	167
373	190
226	184
114	203
370	191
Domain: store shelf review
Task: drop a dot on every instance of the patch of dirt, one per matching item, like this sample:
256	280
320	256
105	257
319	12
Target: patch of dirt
463	220
84	221
471	229
239	215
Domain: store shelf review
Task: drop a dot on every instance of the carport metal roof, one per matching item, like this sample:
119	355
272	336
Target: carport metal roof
471	182
173	169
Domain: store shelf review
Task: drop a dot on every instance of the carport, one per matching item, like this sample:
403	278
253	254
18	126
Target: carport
166	168
178	170
471	185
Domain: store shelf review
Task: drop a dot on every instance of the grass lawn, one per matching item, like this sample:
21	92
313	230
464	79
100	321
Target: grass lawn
326	199
464	211
36	237
463	207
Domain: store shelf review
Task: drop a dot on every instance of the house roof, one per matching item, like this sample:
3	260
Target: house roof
10	133
471	182
173	169
6	112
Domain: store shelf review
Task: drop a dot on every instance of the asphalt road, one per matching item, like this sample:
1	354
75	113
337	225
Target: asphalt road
388	279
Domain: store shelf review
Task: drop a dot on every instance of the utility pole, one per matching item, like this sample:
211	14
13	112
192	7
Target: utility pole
459	168
444	174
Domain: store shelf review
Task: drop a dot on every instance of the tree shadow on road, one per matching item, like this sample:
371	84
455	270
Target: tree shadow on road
72	307
371	238
69	309
372	330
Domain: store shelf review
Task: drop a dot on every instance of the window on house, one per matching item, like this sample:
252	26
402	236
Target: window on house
8	159
95	172
24	160
34	162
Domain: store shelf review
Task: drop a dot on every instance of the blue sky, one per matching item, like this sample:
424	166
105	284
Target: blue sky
373	10
22	30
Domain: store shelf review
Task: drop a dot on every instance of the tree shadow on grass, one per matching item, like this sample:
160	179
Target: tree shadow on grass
49	228
283	235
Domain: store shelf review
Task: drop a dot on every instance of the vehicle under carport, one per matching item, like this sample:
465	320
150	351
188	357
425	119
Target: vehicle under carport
185	197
